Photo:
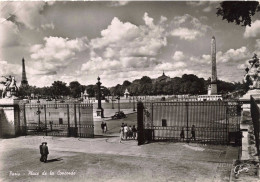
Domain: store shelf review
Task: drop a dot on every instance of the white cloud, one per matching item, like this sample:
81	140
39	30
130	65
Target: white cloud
48	26
115	33
178	56
186	34
9	34
233	55
207	9
206	59
56	53
98	63
187	27
196	3
118	3
8	68
253	31
125	45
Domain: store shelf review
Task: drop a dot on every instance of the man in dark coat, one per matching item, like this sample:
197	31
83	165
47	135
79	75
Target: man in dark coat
41	159
102	126
45	152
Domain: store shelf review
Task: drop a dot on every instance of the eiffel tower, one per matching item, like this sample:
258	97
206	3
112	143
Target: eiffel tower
24	82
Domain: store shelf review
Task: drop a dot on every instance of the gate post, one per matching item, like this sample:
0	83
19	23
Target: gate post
140	123
45	119
187	120
68	114
75	120
24	117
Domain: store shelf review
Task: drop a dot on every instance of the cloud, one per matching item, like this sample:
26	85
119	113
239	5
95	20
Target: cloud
253	31
10	34
186	34
8	68
196	3
170	66
47	26
228	56
178	56
206	59
187	27
128	46
56	53
27	13
233	55
207	9
118	3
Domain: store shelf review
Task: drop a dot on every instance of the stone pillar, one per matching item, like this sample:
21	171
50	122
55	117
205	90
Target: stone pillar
140	123
9	118
214	90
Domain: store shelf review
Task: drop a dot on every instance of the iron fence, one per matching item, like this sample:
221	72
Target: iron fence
57	119
216	122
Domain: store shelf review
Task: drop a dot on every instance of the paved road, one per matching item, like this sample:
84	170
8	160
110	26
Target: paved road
105	159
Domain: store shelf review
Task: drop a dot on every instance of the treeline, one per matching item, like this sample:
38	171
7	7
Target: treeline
59	89
187	84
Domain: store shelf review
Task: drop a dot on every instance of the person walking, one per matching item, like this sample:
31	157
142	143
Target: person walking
193	132
45	152
182	134
134	130
125	131
121	133
102	126
41	159
105	127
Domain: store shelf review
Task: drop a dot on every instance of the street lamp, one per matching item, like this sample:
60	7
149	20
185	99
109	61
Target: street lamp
118	98
113	101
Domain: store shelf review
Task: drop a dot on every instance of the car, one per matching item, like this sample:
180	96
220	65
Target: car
119	115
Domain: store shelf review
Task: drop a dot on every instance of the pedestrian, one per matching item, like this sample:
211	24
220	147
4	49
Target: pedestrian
41	159
193	132
102	126
121	133
45	152
125	131
105	127
182	134
130	132
134	130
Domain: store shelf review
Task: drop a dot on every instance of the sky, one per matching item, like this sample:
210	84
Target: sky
118	41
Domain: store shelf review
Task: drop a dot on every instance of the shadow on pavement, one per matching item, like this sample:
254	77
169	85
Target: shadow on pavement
104	136
54	160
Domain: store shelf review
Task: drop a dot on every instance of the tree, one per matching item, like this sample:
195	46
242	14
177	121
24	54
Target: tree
239	12
126	83
75	89
145	79
59	88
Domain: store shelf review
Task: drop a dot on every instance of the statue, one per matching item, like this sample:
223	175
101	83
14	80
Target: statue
253	73
10	89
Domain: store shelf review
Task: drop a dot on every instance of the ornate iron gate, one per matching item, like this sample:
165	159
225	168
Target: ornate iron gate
216	122
57	120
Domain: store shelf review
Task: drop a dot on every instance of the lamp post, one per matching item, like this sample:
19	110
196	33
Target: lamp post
113	101
100	110
118	98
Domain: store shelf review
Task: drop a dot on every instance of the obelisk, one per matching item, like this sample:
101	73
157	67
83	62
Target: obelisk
24	81
214	90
